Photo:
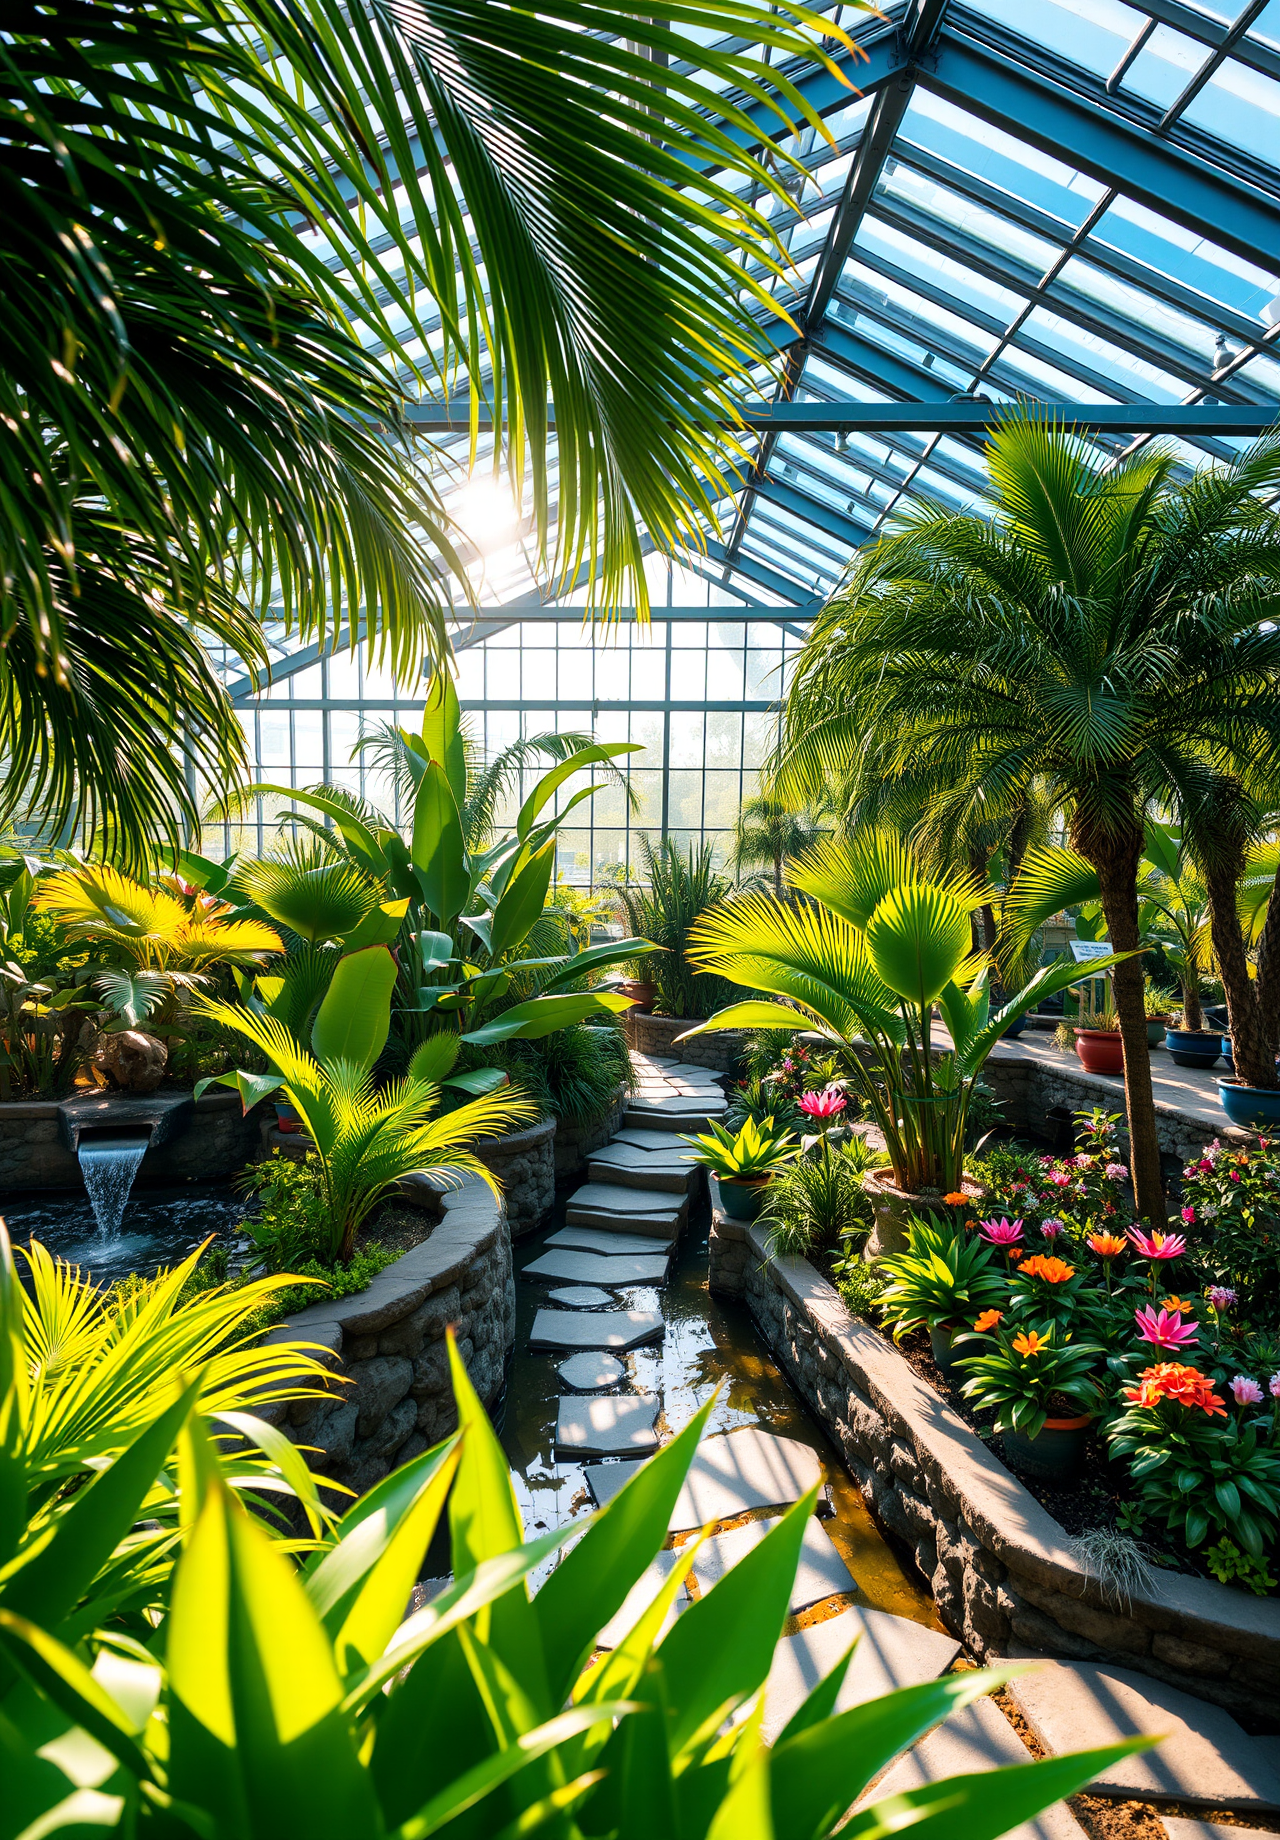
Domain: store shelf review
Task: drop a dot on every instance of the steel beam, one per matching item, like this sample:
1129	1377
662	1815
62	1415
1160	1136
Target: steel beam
1186	420
1070	126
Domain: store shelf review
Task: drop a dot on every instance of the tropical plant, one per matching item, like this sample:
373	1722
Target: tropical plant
1101	632
868	954
573	1073
40	1027
1019	1377
749	1154
766	835
484	1706
167	944
366	1139
677	886
205	400
464	906
943	1279
1230	829
820	1202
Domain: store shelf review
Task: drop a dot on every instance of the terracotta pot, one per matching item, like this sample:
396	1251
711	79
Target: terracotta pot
1100	1050
641	994
1054	1453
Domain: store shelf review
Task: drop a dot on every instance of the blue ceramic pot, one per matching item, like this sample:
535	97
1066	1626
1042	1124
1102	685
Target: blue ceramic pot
1193	1048
1055	1454
740	1200
1227	1055
1255	1107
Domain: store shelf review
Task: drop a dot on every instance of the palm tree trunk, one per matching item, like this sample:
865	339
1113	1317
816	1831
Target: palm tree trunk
1192	1014
1268	982
1255	1062
1115	856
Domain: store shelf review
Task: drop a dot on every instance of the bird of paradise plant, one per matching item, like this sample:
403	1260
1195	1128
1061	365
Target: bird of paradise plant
367	1137
864	960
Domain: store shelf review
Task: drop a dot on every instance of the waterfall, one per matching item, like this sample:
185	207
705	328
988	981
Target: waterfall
108	1165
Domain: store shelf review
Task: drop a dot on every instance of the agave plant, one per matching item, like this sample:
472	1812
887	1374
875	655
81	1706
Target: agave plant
169	943
865	958
367	1137
283	1698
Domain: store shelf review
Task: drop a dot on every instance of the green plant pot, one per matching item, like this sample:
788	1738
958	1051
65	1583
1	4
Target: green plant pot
1156	1028
1053	1455
940	1348
739	1198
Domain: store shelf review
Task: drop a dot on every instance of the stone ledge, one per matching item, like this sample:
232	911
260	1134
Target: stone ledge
973	1524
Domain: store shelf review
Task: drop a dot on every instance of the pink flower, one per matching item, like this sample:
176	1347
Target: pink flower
1273	1386
1060	1179
1084	1162
1189	1217
1246	1392
1001	1232
1052	1228
1235	1175
1115	1172
826	1104
1167	1330
1158	1245
1221	1297
1205	1166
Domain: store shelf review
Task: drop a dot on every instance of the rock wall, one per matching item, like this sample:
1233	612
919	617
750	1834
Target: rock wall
1004	1575
657	1035
525	1164
215	1142
388	1343
575	1143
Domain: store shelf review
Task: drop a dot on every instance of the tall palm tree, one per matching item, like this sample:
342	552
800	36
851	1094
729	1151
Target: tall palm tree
238	242
1229	827
1098	629
768	834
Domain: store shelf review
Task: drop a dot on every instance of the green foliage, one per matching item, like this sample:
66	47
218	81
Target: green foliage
482	1705
944	1279
860	1285
868	954
1234	1195
1196	1478
1231	1566
820	1201
1020	1373
677	887
754	1150
290	1224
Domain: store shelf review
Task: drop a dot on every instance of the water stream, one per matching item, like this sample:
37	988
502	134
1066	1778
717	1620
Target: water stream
108	1165
161	1227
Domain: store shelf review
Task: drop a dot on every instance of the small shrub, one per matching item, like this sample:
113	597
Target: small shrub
1120	1563
291	1227
819	1203
860	1285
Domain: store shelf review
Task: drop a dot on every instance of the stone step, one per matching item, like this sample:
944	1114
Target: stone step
1206	1760
611	1198
975	1739
640	1596
607	1426
616	1330
588	1373
626	1227
627	1167
892	1652
582	1297
606	1240
743	1469
671	1118
821	1573
565	1267
605	1479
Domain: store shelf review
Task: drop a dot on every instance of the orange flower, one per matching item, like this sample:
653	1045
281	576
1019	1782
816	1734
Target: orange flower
1177	1303
988	1320
1053	1271
959	1199
1106	1245
1030	1343
1174	1380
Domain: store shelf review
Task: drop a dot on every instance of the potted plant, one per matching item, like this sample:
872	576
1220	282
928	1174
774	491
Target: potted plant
863	961
1161	1006
1193	1047
942	1281
1040	1385
1099	1044
743	1162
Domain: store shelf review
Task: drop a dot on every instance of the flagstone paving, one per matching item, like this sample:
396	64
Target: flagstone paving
607	1426
599	1239
891	1652
562	1267
587	1373
744	1469
582	1297
610	1329
822	1573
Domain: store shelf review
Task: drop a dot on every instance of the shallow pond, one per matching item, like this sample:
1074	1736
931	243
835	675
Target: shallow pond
160	1226
709	1343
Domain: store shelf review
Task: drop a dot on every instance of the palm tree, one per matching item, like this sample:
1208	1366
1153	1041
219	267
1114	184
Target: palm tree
1229	830
769	833
1098	630
239	242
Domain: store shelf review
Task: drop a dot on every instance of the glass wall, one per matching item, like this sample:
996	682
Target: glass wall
697	697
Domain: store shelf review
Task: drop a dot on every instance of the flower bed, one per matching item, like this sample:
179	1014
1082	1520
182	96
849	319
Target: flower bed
1052	1309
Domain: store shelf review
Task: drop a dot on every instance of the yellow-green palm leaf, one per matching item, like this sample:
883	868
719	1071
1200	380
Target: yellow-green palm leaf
917	939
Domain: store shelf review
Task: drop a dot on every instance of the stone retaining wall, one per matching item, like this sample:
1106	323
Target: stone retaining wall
1028	1090
657	1035
525	1164
388	1342
1004	1575
575	1143
214	1142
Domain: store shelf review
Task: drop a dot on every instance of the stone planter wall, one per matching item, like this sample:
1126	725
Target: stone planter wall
657	1035
388	1343
1004	1575
575	1143
214	1141
525	1164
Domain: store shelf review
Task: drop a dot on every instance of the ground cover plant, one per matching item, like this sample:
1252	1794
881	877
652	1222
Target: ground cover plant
1057	1303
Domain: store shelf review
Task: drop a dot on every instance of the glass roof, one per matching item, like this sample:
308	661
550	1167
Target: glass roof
1072	201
